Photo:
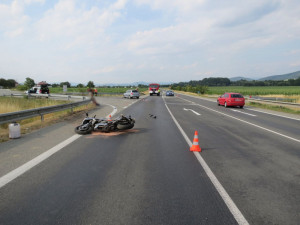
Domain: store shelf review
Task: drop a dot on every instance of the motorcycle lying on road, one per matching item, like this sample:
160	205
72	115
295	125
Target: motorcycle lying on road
90	124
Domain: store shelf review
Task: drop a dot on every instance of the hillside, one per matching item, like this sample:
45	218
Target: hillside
287	76
239	78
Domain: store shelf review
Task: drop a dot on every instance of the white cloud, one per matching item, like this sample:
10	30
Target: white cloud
12	19
28	2
182	39
179	5
74	25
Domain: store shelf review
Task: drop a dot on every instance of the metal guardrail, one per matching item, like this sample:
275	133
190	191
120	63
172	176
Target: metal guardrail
68	97
277	102
25	114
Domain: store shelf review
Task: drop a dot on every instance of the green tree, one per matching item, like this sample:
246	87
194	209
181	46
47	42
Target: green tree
90	84
80	85
2	82
55	85
11	83
65	83
29	83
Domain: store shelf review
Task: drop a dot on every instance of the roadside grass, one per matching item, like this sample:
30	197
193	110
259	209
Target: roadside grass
278	108
32	124
259	90
292	98
13	104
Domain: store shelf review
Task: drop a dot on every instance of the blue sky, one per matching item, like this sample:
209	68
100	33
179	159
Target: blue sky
121	41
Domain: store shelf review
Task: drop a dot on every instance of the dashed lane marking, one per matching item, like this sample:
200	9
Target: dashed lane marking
242	112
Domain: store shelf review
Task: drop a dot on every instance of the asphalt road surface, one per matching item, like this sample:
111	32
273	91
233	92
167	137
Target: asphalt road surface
148	175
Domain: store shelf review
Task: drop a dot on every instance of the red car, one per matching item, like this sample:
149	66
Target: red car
231	99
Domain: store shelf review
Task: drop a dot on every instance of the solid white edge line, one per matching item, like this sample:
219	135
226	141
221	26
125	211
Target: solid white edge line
113	112
131	103
255	110
224	195
40	158
27	166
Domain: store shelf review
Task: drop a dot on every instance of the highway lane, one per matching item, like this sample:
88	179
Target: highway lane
282	125
258	168
144	176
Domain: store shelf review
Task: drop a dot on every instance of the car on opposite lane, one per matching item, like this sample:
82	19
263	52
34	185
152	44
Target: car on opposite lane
169	93
231	99
131	94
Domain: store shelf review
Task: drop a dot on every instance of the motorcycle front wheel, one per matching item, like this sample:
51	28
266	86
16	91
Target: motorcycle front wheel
83	129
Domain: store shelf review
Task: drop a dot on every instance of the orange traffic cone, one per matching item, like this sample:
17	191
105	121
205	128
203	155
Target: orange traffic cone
195	147
109	118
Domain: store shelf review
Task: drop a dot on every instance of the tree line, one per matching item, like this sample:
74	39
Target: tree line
220	81
29	83
202	86
10	83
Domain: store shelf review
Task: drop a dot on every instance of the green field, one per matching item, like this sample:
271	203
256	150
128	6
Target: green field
265	90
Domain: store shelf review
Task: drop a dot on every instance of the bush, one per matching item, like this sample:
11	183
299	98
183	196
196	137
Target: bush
21	88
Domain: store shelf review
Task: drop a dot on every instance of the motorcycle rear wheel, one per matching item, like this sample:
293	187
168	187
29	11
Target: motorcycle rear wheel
125	126
83	130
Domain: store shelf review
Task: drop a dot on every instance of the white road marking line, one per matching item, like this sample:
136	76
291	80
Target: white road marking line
37	160
244	121
27	166
131	103
242	112
226	198
192	111
113	112
174	103
274	114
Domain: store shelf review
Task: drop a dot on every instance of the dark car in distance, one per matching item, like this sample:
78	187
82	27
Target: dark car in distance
231	99
169	93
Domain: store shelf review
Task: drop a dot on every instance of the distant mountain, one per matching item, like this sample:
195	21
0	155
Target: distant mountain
287	76
239	78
